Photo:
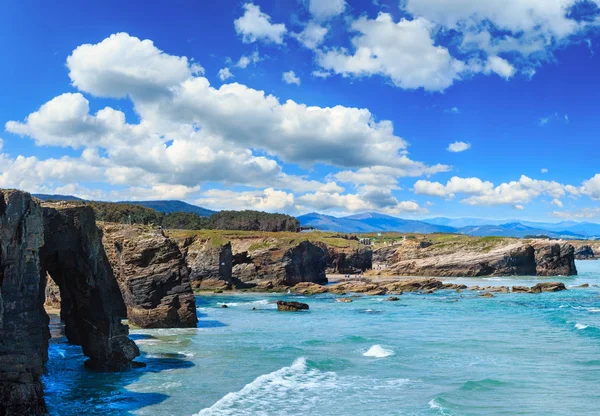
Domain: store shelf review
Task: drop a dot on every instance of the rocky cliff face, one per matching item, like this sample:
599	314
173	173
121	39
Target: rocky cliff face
554	259
584	252
152	275
23	344
304	262
470	257
353	261
210	263
91	303
64	243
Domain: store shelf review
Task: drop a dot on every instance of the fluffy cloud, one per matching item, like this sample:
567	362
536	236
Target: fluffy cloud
485	193
591	187
190	133
458	147
325	9
225	74
244	60
255	25
500	66
312	35
580	214
404	52
290	77
385	176
513	15
270	200
453	186
369	200
136	67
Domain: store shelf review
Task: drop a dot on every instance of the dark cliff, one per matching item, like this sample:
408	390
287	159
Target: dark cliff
23	322
152	275
91	303
63	243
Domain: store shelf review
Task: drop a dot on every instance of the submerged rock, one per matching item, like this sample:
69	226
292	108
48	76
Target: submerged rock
291	306
414	285
486	295
548	287
393	299
354	287
540	287
307	288
343	300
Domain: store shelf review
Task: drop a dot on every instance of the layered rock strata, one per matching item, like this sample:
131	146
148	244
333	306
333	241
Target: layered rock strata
152	275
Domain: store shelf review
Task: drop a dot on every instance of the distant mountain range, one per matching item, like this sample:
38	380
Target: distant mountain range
370	222
375	222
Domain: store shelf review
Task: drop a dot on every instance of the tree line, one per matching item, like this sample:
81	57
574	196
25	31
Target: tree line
223	220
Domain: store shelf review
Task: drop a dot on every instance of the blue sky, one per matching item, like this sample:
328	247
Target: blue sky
307	105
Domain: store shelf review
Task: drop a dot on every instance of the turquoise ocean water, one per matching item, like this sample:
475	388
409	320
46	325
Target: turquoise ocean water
442	354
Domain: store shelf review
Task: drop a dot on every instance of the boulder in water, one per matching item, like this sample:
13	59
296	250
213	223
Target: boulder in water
291	306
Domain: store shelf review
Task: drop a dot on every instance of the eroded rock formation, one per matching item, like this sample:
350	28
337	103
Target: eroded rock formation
584	252
353	261
554	259
476	257
91	303
152	275
23	343
64	243
303	262
210	263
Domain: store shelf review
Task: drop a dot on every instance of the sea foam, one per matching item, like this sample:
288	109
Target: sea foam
292	388
377	351
580	326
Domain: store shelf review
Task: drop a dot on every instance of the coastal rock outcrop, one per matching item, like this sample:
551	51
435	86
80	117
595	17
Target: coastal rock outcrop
152	275
23	322
303	262
210	264
63	243
456	256
554	259
348	261
91	303
585	252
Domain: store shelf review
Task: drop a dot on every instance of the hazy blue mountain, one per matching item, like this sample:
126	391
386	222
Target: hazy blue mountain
369	222
566	228
465	222
48	197
172	206
515	229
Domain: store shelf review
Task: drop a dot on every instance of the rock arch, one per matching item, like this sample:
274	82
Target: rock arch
65	243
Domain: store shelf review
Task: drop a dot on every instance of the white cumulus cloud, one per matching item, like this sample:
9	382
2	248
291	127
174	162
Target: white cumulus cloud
255	25
290	77
457	147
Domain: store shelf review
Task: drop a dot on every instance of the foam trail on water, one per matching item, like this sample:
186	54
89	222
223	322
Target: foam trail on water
377	351
292	389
